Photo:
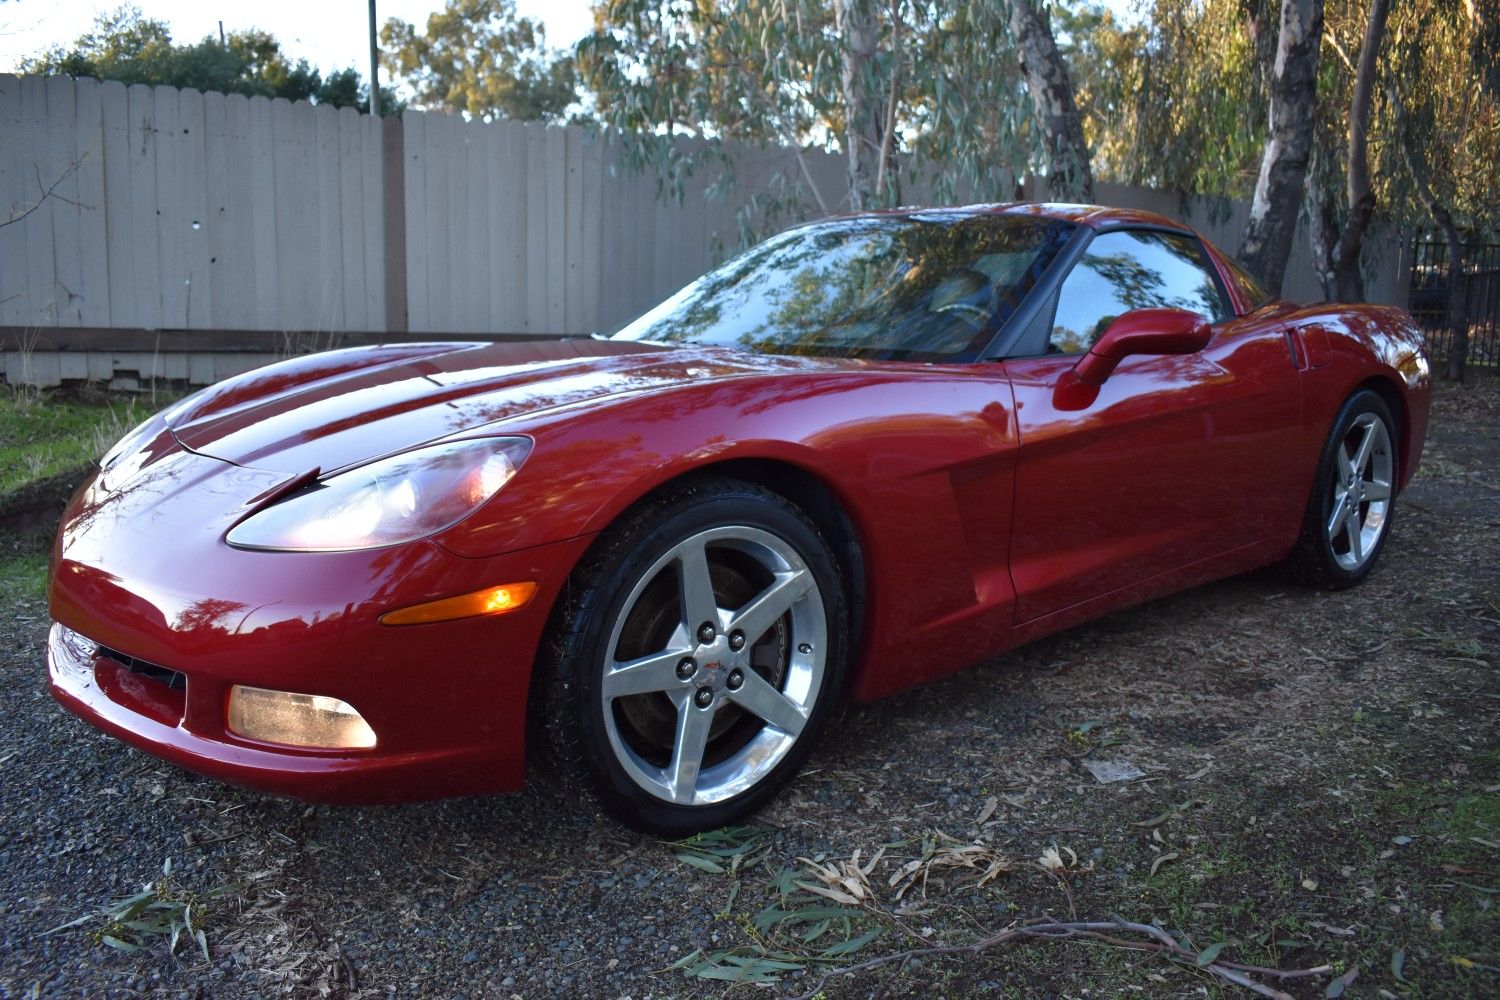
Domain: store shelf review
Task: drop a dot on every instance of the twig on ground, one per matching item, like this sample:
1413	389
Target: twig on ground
1046	928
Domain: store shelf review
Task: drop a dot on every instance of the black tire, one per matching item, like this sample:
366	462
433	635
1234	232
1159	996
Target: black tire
618	596
1319	560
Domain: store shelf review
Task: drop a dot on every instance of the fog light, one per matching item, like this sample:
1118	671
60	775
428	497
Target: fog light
299	720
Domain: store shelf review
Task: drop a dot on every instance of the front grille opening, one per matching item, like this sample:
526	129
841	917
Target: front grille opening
161	675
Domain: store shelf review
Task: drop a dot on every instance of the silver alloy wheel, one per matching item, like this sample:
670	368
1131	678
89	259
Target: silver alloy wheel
1362	483
718	642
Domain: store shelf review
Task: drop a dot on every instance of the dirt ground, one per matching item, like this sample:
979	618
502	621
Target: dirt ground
1320	787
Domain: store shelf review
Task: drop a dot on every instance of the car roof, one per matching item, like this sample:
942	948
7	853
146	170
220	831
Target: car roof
1093	216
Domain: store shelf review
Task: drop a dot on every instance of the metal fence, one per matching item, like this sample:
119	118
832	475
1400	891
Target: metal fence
1477	296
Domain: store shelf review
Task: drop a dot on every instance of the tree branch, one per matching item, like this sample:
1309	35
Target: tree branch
48	191
1047	929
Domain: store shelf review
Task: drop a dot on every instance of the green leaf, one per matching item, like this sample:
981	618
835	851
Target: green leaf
701	863
687	959
1398	964
70	924
1338	986
1207	955
118	944
816	931
844	948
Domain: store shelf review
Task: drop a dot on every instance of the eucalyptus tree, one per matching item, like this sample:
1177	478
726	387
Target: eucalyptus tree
1336	251
920	95
1051	88
1280	185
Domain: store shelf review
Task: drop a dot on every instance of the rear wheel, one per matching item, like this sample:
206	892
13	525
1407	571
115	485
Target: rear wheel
699	657
1353	498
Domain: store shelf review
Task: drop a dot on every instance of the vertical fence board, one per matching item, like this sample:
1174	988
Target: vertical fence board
119	231
413	139
222	241
330	244
171	209
231	187
93	236
537	180
261	157
145	233
590	232
612	235
353	208
195	191
481	263
41	277
60	169
434	219
306	245
370	223
572	230
15	297
557	262
510	307
294	222
460	266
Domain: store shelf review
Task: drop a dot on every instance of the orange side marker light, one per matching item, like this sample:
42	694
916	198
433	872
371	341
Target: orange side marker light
489	601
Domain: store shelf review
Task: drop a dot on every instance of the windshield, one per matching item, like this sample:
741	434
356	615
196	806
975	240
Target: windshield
918	287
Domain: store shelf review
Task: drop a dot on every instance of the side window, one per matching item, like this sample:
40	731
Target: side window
1126	270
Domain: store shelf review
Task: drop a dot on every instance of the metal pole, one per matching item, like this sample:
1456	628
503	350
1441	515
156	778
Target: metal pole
374	66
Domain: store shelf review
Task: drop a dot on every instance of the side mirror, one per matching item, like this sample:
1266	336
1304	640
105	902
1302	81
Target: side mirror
1142	331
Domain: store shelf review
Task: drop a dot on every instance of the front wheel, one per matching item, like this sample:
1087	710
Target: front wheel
698	657
1353	498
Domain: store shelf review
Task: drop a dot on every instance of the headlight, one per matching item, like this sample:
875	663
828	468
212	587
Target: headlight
396	499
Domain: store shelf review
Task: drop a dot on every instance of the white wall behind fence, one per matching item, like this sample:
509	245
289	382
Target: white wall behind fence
176	210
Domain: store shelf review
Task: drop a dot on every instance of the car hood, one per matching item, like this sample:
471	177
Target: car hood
343	408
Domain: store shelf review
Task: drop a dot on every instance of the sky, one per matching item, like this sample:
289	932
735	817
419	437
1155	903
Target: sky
331	34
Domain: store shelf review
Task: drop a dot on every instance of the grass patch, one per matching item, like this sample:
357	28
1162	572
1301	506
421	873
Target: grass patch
43	435
23	568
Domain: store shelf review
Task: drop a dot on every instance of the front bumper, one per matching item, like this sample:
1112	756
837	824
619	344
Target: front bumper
156	619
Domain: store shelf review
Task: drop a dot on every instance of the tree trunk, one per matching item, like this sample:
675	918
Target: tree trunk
1283	165
1349	283
1323	236
863	125
1457	312
1069	177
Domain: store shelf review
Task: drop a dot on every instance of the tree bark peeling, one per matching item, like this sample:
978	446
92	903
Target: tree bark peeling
1069	176
1281	183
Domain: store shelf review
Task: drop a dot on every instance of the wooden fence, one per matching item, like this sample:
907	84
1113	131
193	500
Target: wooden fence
182	223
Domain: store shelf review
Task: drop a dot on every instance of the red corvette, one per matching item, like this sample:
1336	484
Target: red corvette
852	460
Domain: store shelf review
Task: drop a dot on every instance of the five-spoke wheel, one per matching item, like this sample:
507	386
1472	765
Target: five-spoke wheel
702	656
1361	498
1349	513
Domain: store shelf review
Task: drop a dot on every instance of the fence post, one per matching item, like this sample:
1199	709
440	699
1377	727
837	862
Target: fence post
393	211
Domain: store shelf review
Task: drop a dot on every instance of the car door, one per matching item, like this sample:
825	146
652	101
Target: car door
1174	460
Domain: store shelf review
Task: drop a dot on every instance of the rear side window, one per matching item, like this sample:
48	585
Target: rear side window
1133	269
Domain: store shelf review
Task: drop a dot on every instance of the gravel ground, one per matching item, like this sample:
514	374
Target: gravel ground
1319	788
